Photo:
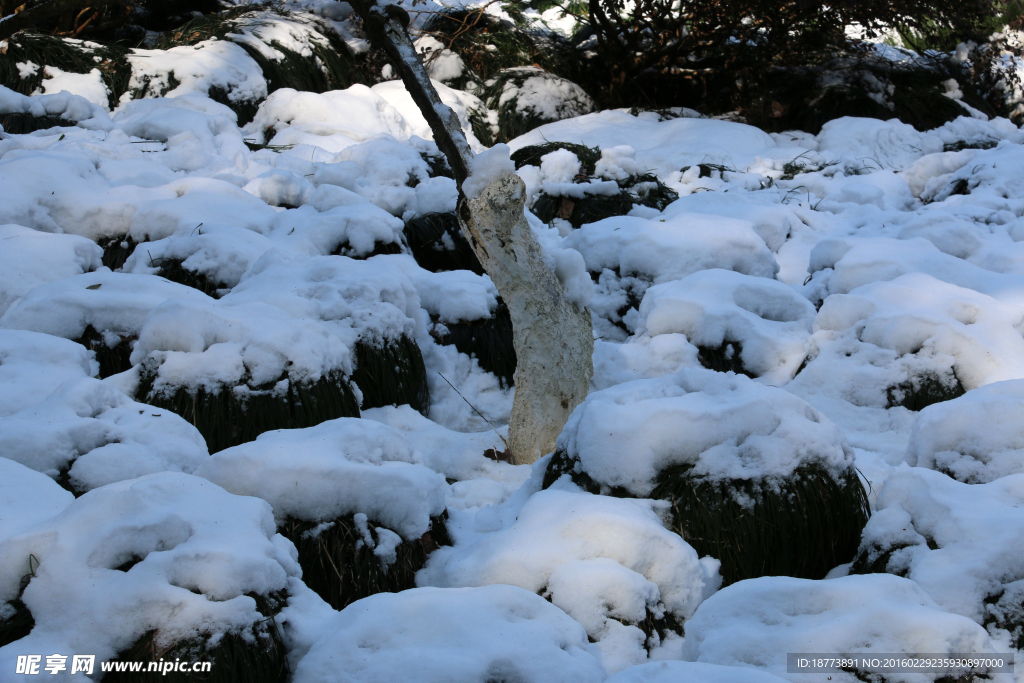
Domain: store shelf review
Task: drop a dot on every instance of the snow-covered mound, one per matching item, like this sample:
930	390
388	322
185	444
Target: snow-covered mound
723	426
608	562
92	434
337	468
27	498
959	542
853	614
115	305
766	322
167	552
433	635
193	343
32	365
975	438
31	258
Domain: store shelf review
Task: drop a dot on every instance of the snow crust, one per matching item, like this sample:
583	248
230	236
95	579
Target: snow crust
31	258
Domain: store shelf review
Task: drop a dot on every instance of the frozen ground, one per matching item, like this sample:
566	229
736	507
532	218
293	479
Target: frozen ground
851	272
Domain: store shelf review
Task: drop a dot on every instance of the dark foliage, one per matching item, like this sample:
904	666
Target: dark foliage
173	270
531	155
16	626
116	251
391	372
256	655
1005	611
228	418
802	526
918	393
515	120
66	55
341	568
112	359
714	50
646	190
431	236
725	358
23	124
489	340
20	623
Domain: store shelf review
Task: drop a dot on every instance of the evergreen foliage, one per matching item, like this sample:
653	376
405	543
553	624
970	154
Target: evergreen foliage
341	567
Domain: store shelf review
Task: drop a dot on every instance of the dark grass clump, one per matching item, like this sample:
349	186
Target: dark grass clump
116	251
17	624
16	620
341	568
578	212
437	166
379	248
23	124
490	341
918	393
648	190
112	359
724	358
173	270
645	190
228	418
1005	611
391	373
531	155
67	55
802	526
254	655
437	243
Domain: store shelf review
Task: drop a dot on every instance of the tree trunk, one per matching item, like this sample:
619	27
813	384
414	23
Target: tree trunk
553	338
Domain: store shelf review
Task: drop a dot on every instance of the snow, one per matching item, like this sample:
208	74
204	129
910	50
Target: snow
30	258
98	435
606	561
770	320
487	167
727	426
114	304
670	672
451	635
201	550
28	498
958	542
976	438
846	269
341	467
32	365
90	85
754	623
